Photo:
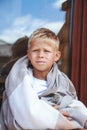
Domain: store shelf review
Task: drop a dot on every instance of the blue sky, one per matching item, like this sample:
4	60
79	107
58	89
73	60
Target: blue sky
20	18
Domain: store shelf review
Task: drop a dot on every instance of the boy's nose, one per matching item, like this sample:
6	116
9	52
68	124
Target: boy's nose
41	54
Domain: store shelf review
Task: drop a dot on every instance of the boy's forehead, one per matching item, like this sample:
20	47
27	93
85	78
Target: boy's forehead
47	41
40	41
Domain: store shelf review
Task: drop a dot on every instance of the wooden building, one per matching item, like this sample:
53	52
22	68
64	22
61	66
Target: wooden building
73	44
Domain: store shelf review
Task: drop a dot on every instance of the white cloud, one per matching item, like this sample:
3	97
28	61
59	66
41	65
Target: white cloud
25	26
54	26
58	3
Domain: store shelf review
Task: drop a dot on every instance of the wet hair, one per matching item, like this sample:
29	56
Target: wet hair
44	34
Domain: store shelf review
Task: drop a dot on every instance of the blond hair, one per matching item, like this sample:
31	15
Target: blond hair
44	34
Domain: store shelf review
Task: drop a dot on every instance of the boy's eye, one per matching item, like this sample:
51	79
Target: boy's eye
34	50
47	51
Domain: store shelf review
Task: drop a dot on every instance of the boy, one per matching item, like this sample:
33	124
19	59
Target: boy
37	94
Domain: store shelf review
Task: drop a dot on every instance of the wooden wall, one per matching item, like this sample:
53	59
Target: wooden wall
73	44
79	49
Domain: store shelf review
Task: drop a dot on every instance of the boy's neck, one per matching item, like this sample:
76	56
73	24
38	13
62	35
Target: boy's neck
40	75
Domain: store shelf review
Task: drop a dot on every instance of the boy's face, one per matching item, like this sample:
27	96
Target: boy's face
42	55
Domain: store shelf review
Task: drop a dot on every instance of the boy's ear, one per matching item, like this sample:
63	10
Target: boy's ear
57	56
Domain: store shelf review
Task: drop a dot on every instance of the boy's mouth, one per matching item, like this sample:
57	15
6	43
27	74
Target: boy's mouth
40	62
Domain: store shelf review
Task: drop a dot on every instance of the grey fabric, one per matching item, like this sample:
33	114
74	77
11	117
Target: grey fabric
60	91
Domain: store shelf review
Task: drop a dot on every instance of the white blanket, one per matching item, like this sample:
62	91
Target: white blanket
23	110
